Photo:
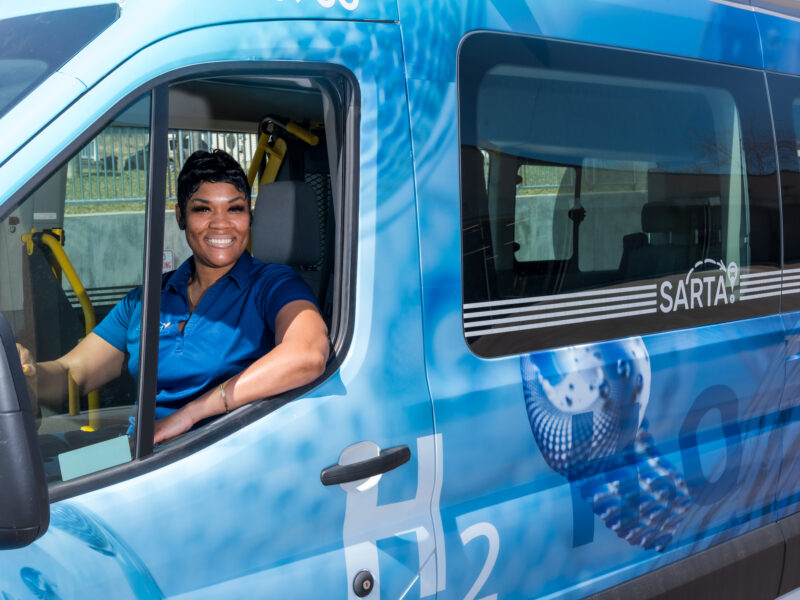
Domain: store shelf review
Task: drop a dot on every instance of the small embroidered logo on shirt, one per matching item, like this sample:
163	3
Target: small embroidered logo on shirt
165	326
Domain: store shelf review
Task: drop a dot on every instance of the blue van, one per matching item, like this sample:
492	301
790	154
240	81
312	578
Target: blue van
556	245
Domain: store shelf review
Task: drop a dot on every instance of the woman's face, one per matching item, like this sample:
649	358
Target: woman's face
217	225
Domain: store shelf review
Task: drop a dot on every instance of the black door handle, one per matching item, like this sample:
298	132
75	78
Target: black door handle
388	459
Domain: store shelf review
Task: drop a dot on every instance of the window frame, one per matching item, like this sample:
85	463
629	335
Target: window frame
343	90
784	91
583	58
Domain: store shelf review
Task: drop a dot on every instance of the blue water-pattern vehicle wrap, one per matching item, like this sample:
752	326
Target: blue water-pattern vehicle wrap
549	475
694	446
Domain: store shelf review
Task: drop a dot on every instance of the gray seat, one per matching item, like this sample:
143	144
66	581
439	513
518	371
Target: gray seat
667	245
286	230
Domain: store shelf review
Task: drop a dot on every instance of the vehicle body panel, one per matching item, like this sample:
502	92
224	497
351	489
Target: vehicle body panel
546	539
257	487
477	511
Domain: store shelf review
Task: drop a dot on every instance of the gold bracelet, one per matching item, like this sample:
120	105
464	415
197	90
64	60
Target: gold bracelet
224	397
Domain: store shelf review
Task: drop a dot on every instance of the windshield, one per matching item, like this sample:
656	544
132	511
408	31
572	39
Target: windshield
32	47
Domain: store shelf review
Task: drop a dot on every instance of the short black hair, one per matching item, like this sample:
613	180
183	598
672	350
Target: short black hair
209	167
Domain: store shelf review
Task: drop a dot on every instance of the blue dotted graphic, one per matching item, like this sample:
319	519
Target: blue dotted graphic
586	410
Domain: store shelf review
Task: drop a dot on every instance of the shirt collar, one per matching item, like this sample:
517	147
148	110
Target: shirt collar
179	279
239	273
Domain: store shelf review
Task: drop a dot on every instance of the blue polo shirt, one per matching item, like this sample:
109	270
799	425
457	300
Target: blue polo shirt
232	326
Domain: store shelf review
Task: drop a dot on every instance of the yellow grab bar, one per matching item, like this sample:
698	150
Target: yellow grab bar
74	396
64	263
305	135
276	151
54	244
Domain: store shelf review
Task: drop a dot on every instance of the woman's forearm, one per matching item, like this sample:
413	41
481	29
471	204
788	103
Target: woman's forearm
91	363
286	367
49	382
298	358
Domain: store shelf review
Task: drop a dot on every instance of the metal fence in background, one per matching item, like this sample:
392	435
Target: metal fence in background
595	175
112	168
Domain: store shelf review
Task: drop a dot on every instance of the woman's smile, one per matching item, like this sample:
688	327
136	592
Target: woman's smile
220	242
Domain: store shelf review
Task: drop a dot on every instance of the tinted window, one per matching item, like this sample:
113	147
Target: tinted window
785	92
34	46
625	193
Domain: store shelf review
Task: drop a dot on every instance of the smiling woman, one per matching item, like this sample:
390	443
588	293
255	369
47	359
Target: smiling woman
233	329
213	209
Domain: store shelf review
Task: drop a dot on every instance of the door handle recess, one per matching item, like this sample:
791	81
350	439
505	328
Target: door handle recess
388	459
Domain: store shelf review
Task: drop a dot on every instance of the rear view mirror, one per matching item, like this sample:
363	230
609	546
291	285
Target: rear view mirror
24	501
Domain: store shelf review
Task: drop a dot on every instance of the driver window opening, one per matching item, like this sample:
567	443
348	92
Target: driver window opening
73	248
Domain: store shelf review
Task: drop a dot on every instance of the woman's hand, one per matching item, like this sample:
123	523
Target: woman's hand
29	369
27	361
299	357
183	419
175	424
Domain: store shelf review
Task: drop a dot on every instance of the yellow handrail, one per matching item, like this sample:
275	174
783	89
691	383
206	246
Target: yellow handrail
74	395
54	244
64	263
276	149
305	135
277	152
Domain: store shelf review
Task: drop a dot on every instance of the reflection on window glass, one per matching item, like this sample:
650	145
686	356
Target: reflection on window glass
784	92
612	174
624	195
613	193
66	260
34	46
543	199
17	74
796	119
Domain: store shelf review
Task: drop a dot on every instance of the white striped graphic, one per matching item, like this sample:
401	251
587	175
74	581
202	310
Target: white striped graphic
746	276
534	299
755	282
761	295
487	313
561	322
761	287
754	286
520	314
537	312
563	313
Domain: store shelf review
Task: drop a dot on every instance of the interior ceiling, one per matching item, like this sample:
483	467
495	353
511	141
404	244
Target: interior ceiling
238	104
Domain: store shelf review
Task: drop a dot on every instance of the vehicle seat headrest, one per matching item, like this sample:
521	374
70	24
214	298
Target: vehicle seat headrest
285	224
680	215
663	218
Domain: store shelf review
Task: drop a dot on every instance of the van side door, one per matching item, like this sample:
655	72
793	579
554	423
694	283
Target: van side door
603	339
263	502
